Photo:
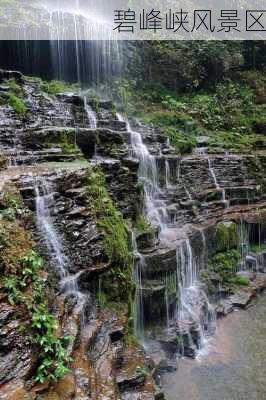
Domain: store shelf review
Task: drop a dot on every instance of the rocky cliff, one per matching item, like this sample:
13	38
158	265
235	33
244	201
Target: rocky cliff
71	192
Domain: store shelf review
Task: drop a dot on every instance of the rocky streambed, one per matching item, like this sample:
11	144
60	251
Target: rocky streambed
232	365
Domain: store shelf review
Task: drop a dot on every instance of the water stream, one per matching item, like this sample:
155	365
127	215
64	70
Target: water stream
90	114
218	187
53	242
234	367
192	299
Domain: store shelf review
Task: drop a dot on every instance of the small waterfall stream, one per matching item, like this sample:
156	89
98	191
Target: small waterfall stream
90	114
218	187
53	242
156	212
193	305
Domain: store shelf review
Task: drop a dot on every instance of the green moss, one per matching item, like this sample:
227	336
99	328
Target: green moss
54	87
64	138
110	222
240	281
225	236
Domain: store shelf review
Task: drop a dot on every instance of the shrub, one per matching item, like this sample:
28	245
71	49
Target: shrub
240	280
17	104
54	87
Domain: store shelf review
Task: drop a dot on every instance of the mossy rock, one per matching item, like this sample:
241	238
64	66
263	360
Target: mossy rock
225	236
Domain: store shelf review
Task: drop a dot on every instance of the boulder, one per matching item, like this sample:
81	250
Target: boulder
223	308
242	299
126	381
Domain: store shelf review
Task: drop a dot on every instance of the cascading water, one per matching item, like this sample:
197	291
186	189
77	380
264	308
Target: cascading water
155	208
53	242
167	175
193	305
218	187
90	114
137	276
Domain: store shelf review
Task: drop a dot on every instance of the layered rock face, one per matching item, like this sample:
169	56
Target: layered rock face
49	170
209	204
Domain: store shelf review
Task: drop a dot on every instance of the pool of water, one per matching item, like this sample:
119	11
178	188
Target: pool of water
233	367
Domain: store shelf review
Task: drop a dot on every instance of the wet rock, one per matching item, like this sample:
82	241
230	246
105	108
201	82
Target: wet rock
246	274
13	390
117	333
66	387
224	308
259	283
16	355
71	98
11	75
78	212
159	396
169	341
242	299
50	396
167	365
132	381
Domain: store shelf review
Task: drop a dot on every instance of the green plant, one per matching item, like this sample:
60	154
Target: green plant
14	87
11	285
8	213
116	239
12	201
17	104
54	356
27	290
240	281
142	370
224	265
54	87
143	227
257	248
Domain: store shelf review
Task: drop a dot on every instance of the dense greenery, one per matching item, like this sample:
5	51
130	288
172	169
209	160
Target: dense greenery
194	89
22	281
14	97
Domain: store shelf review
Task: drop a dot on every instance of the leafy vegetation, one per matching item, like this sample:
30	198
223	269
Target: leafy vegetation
54	87
14	97
257	248
240	281
225	236
228	110
224	265
143	227
22	281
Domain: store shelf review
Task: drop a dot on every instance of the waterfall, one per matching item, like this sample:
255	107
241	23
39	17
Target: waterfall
53	241
194	308
156	211
213	175
138	304
90	114
218	187
94	53
167	175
